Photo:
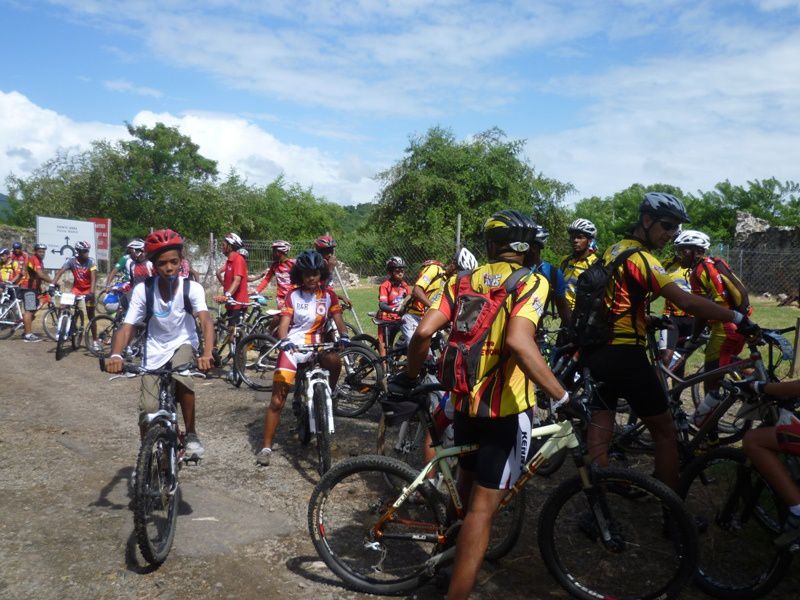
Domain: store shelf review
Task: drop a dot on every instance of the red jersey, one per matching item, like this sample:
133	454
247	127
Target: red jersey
281	272
392	293
20	263
81	274
31	279
139	271
236	265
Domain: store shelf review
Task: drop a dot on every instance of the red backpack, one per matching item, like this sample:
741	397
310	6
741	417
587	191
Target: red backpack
472	320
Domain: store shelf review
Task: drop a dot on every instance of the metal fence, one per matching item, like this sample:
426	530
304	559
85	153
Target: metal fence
776	272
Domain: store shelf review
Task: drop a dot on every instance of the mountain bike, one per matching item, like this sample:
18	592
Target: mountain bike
737	557
69	323
156	493
11	310
107	327
599	532
312	404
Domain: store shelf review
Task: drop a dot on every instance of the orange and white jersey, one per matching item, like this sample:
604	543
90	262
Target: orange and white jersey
309	311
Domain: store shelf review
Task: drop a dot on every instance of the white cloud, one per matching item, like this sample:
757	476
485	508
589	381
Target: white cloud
125	86
30	135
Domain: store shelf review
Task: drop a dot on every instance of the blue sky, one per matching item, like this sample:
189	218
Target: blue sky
605	94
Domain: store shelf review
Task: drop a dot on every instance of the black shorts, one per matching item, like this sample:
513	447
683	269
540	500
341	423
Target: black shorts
625	372
504	444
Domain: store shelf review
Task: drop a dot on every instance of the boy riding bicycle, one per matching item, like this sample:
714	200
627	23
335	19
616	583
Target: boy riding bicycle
84	278
159	303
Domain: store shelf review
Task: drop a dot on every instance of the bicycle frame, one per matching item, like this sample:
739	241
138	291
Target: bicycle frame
4	317
314	376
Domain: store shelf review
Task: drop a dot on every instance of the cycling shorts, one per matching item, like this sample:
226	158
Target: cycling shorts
30	300
409	325
148	390
286	367
724	345
626	373
788	435
504	444
88	299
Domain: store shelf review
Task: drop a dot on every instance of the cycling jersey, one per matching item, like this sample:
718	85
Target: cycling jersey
707	281
281	271
20	262
139	271
431	280
122	267
572	269
630	291
502	389
236	265
392	293
81	275
680	276
31	278
7	271
308	312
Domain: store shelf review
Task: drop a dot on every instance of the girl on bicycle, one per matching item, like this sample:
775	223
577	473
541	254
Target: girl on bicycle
303	317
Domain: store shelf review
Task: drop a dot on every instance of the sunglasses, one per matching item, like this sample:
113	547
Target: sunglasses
326	251
669	225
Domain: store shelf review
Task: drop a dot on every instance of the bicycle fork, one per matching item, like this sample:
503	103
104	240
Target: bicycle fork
314	377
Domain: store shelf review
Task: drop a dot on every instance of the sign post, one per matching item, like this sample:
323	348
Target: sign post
102	238
60	236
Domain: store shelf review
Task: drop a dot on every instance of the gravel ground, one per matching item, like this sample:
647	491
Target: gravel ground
68	443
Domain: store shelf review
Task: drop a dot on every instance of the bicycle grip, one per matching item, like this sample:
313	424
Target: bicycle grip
102	364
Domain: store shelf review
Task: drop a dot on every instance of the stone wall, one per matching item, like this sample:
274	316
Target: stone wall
9	235
765	257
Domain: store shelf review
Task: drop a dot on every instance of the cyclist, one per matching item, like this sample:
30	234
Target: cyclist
84	276
712	278
6	266
558	287
171	331
234	280
30	283
621	364
393	295
497	413
20	260
303	317
326	246
432	277
681	322
280	270
764	446
582	233
121	268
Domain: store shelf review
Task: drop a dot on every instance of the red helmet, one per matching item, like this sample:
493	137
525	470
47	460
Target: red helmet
161	240
323	242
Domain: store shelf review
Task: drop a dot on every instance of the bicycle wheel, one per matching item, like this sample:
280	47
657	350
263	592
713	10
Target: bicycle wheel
647	550
372	555
50	323
362	381
255	360
404	442
155	504
737	558
76	329
730	427
63	333
321	424
104	325
9	320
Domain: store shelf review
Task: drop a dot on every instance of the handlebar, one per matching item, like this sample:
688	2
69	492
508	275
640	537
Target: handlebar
139	370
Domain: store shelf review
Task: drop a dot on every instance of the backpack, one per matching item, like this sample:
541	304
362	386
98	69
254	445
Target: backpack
150	297
470	325
590	326
729	278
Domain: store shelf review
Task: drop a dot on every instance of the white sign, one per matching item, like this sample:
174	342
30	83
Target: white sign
60	236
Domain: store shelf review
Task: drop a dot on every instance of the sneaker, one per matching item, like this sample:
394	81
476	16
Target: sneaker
31	337
263	457
791	532
194	448
96	347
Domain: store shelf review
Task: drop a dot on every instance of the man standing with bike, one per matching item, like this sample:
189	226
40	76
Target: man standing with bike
582	234
30	281
84	276
619	361
160	303
497	411
233	276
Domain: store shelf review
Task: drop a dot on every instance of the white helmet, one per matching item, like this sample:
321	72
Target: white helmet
691	237
281	246
82	246
466	260
234	240
583	226
243	252
136	244
541	236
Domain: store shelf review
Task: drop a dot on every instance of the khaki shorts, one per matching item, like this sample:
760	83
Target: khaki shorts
148	391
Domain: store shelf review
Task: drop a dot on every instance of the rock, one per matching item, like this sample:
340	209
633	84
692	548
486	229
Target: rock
781	298
766	295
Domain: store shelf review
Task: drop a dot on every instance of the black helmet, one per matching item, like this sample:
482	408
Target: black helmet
310	260
660	204
511	227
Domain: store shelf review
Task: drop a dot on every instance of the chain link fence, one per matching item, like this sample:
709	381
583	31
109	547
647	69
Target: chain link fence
775	272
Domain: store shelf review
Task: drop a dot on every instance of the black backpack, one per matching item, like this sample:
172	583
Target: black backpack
591	326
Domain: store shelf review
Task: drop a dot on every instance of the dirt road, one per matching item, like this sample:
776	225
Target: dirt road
68	443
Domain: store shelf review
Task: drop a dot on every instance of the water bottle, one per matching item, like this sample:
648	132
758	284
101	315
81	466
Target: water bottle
676	356
707	406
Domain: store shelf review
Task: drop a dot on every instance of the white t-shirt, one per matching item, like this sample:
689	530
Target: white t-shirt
170	326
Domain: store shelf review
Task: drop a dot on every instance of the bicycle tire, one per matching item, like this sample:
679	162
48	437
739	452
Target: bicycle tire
737	558
361	382
321	422
50	323
404	442
151	494
345	505
641	541
62	336
105	328
7	329
367	340
76	330
255	360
